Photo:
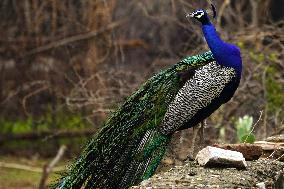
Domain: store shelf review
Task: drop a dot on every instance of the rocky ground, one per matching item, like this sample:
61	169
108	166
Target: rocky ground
262	173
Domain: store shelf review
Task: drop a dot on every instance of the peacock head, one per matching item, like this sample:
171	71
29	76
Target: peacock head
202	15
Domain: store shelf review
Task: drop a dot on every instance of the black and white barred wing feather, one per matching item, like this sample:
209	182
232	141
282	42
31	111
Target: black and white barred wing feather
198	92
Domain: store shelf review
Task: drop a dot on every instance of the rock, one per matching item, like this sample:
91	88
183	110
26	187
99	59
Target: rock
212	156
249	151
261	185
272	150
268	146
192	175
276	139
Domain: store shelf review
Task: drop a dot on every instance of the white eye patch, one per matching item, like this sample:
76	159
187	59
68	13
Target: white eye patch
199	14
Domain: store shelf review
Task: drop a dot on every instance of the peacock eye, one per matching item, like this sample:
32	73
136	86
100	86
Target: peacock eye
199	14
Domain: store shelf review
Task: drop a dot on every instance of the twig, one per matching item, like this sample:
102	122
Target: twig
259	118
33	93
279	157
27	168
21	167
221	11
23	87
272	154
266	102
47	169
27	14
72	39
45	135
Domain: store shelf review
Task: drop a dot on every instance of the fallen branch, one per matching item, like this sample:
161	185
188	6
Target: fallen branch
45	135
27	168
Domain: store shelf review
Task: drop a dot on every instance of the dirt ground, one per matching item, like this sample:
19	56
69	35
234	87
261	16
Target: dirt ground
191	175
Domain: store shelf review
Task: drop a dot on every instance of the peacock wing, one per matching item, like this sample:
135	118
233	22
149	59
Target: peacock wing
196	95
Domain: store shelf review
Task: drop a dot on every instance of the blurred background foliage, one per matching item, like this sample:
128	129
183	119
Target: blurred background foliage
65	64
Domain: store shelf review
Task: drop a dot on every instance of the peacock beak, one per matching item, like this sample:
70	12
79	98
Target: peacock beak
190	15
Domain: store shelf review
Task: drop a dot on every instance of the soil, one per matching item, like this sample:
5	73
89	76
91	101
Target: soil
191	175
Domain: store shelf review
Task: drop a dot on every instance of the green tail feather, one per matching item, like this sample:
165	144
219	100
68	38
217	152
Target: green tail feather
129	147
147	157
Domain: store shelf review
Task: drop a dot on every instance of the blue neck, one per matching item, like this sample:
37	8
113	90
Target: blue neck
225	54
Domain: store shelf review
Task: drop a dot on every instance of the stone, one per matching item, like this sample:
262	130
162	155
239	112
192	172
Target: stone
261	185
249	151
216	157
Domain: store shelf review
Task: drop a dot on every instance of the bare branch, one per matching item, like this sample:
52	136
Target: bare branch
72	39
47	169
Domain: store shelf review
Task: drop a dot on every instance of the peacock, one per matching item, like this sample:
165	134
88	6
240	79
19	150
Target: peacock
133	140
